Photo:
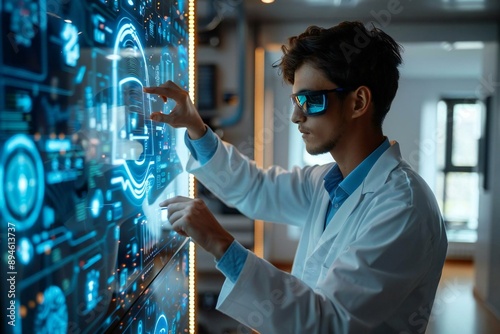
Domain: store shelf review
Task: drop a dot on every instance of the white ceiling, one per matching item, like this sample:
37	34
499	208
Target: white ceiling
435	60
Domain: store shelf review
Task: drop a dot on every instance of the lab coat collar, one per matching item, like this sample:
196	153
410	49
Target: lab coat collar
381	169
375	178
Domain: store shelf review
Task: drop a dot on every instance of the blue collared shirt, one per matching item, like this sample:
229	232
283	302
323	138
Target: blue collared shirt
202	149
339	189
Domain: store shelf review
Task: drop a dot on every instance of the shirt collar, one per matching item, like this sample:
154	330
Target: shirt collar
333	179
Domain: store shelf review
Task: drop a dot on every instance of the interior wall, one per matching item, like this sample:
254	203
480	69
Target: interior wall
487	276
229	61
494	296
405	119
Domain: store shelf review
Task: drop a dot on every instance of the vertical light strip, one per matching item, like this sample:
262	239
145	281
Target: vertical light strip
192	247
259	142
192	288
192	273
191	48
192	186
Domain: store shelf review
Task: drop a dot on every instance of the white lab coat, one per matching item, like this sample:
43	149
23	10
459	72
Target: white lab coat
374	269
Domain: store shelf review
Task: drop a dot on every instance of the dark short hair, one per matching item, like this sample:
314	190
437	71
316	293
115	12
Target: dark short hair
350	55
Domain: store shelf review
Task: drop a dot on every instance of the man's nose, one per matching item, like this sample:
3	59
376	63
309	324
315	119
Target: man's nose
297	115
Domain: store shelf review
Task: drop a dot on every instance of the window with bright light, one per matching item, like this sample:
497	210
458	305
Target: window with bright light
457	187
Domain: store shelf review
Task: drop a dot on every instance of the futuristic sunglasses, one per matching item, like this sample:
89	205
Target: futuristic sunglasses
315	102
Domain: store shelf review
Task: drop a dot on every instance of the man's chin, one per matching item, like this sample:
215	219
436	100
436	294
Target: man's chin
315	150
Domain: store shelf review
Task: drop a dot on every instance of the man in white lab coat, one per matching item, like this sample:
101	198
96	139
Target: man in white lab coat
373	242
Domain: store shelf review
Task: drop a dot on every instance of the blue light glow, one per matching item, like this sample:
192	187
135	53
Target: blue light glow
52	312
92	289
25	251
83	168
161	325
71	48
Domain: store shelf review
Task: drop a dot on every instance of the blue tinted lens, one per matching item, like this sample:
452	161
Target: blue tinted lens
311	103
316	103
301	100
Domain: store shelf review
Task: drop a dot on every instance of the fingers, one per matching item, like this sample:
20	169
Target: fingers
160	91
167	90
159	117
177	213
178	209
176	199
154	90
175	218
179	229
191	218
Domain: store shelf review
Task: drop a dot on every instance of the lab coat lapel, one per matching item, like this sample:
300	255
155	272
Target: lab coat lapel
322	248
340	217
377	175
317	229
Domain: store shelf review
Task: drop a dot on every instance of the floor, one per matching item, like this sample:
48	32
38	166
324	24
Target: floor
456	310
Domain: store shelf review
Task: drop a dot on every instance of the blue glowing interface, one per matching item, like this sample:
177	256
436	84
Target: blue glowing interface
85	246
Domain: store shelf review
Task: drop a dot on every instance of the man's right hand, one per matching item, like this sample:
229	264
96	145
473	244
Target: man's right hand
192	218
184	114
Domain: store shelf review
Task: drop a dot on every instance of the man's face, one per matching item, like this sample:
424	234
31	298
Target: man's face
321	133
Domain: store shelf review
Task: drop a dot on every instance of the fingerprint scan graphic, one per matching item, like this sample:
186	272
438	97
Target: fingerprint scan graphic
52	312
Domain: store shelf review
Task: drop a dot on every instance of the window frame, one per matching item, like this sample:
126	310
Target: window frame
449	167
448	162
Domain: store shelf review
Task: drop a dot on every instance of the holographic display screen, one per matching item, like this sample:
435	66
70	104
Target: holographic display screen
83	169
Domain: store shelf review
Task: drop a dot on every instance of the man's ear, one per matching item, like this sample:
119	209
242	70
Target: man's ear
362	101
